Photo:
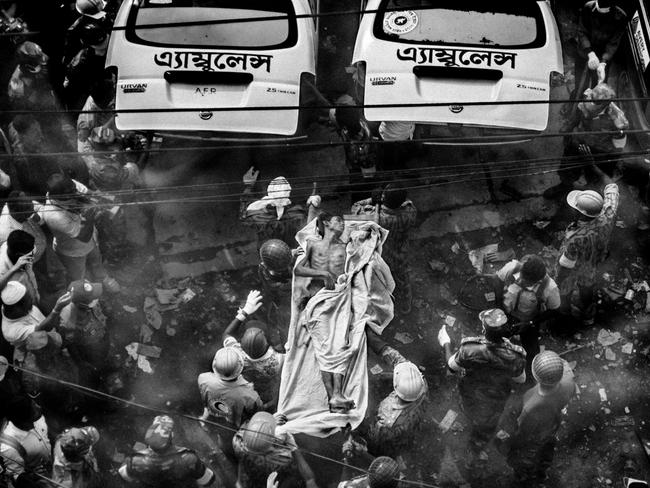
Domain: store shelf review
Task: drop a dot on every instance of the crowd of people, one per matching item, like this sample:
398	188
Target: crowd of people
53	280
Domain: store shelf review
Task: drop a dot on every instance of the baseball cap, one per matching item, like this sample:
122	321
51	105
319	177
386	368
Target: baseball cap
13	292
587	202
85	292
493	318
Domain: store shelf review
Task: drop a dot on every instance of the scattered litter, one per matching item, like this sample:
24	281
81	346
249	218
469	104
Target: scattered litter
154	319
477	256
609	354
149	351
129	309
149	302
448	420
542	224
438	266
144	364
146	333
620	224
187	295
376	369
603	394
627	410
592	428
132	350
403	337
490	297
455	248
623	421
627	348
166	297
450	320
607	338
171	332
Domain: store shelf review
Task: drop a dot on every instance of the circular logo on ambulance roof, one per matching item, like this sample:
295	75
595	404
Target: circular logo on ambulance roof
205	114
400	22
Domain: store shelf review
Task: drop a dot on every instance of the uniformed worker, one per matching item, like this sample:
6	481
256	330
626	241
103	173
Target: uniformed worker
75	465
262	363
261	450
491	363
164	465
228	399
383	473
530	429
400	415
396	213
585	247
274	216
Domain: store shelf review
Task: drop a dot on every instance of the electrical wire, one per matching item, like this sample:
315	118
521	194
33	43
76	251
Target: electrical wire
27	470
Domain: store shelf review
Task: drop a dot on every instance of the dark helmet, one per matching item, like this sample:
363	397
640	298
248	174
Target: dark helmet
275	255
254	343
92	33
31	57
383	473
159	435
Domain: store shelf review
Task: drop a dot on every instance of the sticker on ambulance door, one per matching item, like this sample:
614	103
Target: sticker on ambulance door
400	22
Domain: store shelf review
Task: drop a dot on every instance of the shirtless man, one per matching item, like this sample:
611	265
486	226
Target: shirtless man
324	262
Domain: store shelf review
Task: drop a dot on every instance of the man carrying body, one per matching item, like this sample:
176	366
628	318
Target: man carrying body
324	262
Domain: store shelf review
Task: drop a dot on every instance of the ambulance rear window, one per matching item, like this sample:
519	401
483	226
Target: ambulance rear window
214	24
495	23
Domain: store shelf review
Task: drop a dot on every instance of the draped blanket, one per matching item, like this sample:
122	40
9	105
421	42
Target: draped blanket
328	334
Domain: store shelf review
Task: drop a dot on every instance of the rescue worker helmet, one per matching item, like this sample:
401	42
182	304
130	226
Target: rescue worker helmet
259	435
383	473
493	318
159	435
275	255
31	57
587	202
547	368
227	363
408	382
92	33
91	8
254	343
76	442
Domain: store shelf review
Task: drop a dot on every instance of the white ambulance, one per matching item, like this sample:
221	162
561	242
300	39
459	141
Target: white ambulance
198	56
411	53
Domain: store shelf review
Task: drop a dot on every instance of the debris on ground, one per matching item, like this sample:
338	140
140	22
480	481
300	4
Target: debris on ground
403	337
607	338
542	224
376	369
448	420
129	309
477	256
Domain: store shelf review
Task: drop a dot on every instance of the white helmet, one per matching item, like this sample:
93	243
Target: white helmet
408	382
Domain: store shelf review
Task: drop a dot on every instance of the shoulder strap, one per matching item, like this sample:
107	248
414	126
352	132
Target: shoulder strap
541	289
11	441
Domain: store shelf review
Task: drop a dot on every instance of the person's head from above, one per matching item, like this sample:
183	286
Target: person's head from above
493	321
23	412
61	188
258	435
93	34
19	243
393	196
30	132
103	91
383	473
587	204
31	59
91	8
160	434
16	302
254	342
533	270
20	206
596	100
408	382
85	294
547	369
330	223
77	442
276	257
227	364
349	118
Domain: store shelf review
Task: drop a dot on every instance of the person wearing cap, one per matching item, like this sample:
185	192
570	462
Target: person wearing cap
71	218
83	325
585	246
19	213
383	472
228	399
74	464
21	317
24	443
599	126
261	449
529	428
530	298
491	365
29	87
262	363
397	214
162	464
16	261
274	216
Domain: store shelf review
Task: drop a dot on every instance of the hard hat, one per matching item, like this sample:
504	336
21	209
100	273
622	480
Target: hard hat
76	442
227	363
92	33
493	318
31	57
587	202
13	292
547	368
383	473
254	343
408	382
259	434
91	8
275	255
159	434
279	188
